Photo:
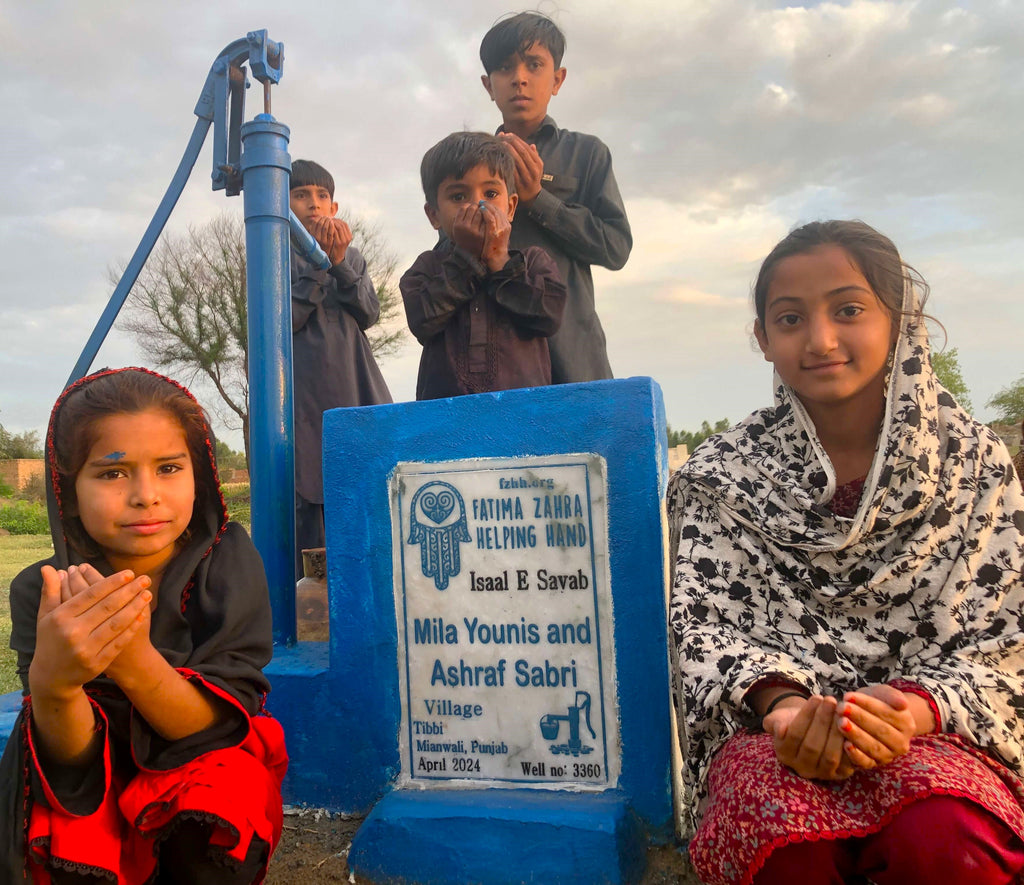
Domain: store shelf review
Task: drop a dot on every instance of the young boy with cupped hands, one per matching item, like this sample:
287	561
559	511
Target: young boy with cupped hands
569	202
482	311
332	360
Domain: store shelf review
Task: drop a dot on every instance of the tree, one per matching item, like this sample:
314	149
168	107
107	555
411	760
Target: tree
946	364
228	458
19	445
386	336
187	310
1009	402
692	440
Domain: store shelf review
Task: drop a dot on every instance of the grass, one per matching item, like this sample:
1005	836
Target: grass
16	552
236	497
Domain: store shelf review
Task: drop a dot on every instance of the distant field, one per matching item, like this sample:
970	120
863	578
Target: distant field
16	552
236	497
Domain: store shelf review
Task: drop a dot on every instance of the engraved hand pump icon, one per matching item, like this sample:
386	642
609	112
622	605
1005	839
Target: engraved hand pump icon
551	722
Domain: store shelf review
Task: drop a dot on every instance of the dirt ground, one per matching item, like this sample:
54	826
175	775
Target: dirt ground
314	850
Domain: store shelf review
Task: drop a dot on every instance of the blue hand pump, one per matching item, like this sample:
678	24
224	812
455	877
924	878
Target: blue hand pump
251	158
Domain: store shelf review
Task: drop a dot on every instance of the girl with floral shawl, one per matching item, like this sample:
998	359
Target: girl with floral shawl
1018	459
848	600
142	753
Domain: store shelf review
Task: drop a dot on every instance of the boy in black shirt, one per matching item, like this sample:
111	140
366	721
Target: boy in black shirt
569	202
332	362
482	311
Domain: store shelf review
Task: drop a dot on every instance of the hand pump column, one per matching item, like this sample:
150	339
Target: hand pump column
265	167
266	172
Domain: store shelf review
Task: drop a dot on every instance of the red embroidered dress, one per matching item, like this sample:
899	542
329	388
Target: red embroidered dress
920	584
212	623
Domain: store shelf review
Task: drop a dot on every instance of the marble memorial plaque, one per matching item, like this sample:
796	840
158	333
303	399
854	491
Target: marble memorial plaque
505	638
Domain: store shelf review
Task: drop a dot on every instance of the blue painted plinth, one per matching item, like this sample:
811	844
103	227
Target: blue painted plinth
493	837
344	735
621	420
301	699
10	706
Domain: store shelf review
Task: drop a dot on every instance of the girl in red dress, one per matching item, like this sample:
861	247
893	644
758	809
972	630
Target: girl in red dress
848	599
142	753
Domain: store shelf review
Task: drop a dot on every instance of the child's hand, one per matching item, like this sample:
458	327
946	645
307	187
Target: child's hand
468	230
78	637
529	166
76	579
130	661
878	725
497	230
808	740
333	236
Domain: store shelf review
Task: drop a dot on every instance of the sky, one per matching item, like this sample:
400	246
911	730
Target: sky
729	123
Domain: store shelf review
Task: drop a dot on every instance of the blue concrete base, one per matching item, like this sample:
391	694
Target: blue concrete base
493	837
300	699
10	707
623	421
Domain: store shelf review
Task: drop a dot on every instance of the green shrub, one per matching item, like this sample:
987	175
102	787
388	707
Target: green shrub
236	497
34	489
24	518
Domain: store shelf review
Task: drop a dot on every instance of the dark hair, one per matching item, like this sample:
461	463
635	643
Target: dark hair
306	173
454	155
516	34
72	435
874	254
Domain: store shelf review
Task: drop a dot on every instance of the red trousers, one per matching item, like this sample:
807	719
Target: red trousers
939	839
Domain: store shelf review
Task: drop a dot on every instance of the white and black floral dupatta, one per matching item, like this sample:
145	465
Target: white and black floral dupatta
923	583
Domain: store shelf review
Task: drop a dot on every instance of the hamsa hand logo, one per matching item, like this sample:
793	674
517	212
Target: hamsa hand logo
437	519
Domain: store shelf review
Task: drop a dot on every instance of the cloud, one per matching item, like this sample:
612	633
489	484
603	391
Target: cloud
728	122
683	295
739	103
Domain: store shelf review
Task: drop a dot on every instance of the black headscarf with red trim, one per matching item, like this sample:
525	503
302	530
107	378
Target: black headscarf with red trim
212	617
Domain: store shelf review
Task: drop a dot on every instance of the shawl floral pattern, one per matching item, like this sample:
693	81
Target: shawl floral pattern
923	583
758	805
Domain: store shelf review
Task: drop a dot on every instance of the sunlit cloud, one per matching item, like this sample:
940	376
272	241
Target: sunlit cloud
729	122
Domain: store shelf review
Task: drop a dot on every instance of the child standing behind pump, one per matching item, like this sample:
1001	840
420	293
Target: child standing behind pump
569	201
482	312
332	362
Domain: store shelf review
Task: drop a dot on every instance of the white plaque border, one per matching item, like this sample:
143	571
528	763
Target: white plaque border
595	466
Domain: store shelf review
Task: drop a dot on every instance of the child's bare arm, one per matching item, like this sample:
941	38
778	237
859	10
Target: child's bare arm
173	706
76	638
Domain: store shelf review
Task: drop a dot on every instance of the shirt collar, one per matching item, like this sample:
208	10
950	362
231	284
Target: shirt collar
547	127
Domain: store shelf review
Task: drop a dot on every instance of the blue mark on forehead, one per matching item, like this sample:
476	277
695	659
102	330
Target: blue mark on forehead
114	456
